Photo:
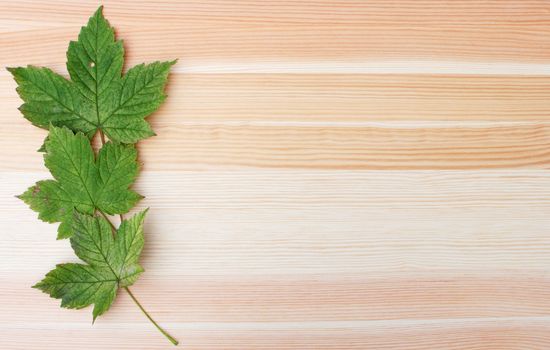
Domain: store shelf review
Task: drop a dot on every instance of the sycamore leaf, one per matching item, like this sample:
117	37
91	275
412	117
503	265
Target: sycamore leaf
98	97
81	181
111	263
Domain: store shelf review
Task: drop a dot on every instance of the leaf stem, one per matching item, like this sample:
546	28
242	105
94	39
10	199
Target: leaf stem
168	336
109	221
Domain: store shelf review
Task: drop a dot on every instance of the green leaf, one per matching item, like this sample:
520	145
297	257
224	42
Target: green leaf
98	97
82	182
51	99
111	263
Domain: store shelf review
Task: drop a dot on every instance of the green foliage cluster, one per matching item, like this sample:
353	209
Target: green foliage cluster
87	187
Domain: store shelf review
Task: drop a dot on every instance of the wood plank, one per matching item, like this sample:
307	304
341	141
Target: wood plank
293	222
482	334
362	146
355	97
247	32
191	147
432	295
340	98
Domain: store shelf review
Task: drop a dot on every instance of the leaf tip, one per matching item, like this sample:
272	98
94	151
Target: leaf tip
15	74
63	235
99	11
37	285
96	313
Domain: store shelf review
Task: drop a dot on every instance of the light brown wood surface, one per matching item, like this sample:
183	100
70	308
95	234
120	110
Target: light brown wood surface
327	175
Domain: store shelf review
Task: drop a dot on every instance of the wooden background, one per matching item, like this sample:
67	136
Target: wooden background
343	174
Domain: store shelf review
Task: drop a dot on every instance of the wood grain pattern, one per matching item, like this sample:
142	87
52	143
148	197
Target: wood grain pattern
201	147
327	175
247	31
344	97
